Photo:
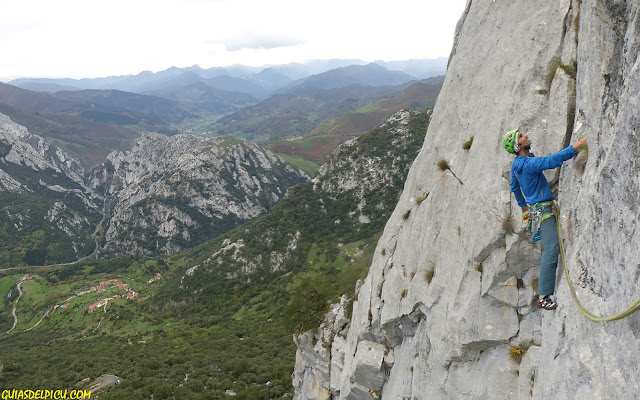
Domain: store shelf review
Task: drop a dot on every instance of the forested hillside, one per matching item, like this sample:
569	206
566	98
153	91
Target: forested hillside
218	319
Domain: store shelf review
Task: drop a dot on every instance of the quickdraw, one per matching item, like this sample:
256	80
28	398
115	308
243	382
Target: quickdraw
537	213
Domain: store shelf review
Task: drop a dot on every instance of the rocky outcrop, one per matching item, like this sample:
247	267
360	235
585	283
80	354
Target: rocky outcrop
165	195
19	147
44	199
446	310
170	193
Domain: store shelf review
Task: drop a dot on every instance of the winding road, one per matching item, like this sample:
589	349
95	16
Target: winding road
15	304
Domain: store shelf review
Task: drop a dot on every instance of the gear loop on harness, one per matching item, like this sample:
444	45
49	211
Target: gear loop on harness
625	313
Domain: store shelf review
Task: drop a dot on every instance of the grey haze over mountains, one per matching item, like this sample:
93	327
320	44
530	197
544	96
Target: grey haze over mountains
365	75
258	82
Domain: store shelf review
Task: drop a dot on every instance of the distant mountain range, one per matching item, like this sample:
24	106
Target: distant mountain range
90	124
259	82
365	75
89	118
113	106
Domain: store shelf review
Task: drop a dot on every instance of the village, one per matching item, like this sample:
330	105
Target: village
129	294
122	291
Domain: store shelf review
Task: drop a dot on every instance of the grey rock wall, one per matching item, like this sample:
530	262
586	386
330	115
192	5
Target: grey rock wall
449	293
171	193
581	358
23	148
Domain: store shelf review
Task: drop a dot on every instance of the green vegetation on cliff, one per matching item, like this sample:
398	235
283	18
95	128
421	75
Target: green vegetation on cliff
38	225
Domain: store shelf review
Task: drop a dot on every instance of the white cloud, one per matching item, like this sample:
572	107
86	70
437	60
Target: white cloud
79	38
256	41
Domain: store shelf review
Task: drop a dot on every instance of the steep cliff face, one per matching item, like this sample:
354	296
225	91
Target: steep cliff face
170	193
47	208
446	310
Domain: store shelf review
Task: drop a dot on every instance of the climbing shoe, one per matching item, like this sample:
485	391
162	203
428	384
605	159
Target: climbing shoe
546	303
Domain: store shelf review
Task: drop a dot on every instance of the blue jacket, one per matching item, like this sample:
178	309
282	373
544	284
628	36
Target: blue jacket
528	183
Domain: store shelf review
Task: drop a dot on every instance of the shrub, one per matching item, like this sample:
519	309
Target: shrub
308	305
570	69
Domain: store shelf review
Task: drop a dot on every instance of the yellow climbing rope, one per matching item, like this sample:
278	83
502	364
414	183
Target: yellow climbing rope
630	310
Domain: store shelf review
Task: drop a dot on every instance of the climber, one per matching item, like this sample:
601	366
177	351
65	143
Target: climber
533	194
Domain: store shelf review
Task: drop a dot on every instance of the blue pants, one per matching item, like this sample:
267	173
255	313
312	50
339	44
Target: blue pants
549	259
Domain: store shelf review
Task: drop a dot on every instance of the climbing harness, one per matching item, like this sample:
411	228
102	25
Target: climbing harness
625	313
537	214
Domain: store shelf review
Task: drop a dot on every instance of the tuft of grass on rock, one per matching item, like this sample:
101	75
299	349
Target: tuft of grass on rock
428	275
479	268
571	69
467	145
516	352
443	165
580	161
507	226
534	287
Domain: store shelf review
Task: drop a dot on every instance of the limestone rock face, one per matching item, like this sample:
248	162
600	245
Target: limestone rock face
449	294
20	147
44	200
165	195
169	193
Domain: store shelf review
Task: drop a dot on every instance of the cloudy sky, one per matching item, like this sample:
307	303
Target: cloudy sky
88	39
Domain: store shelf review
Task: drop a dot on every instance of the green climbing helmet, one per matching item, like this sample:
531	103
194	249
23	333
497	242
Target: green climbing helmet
510	140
